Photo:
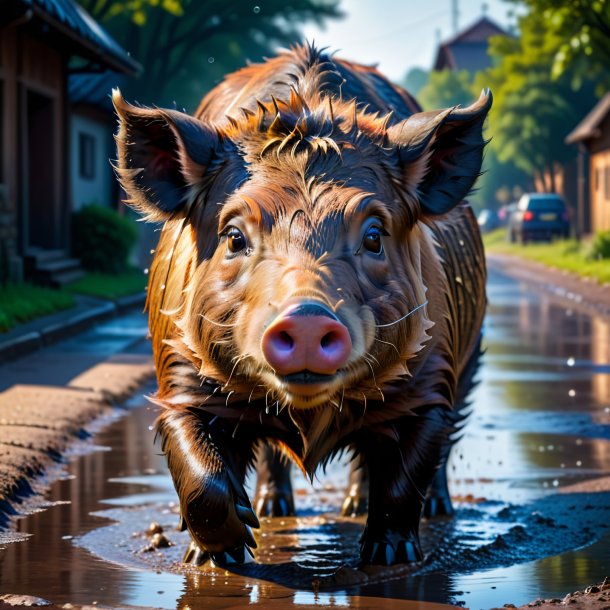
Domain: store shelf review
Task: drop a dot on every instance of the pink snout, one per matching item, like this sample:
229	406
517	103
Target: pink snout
306	338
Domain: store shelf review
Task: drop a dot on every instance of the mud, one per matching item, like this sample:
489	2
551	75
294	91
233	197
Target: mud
528	525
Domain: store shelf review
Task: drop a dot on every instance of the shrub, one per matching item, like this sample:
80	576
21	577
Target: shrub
600	248
102	239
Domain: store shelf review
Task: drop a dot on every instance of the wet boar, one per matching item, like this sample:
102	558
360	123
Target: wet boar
318	285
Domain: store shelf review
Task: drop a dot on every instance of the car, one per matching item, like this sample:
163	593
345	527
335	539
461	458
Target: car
539	216
488	220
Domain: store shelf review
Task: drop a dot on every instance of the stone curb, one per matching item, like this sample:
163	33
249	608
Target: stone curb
69	325
38	423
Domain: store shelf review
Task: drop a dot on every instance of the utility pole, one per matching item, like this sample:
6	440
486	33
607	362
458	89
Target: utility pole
455	14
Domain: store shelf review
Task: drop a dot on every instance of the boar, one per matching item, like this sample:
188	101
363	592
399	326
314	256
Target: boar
319	285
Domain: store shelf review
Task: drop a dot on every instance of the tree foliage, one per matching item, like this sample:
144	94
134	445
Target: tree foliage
583	30
415	80
533	109
446	88
186	46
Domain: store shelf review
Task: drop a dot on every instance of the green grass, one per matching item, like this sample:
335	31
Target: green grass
21	303
109	286
567	255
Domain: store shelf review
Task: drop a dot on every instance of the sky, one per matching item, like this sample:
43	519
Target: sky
400	34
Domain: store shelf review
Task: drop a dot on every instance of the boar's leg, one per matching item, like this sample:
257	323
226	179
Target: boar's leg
438	500
208	468
356	501
402	463
273	497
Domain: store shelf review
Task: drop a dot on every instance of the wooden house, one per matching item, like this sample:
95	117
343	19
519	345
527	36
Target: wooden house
42	42
592	136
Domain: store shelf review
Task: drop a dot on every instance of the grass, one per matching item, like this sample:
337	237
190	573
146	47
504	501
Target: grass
109	286
568	255
21	303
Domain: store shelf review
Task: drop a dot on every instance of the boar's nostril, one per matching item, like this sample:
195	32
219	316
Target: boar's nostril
284	341
327	340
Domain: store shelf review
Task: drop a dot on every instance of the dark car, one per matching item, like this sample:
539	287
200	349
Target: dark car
539	216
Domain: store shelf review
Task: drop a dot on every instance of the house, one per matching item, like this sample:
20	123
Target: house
41	43
91	126
592	136
467	50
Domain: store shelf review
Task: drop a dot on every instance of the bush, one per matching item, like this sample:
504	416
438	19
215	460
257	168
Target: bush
600	248
102	239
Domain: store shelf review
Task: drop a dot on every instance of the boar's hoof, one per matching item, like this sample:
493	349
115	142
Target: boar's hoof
275	503
438	506
386	553
194	555
239	555
354	504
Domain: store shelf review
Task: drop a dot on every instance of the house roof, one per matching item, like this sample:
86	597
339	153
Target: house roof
589	127
94	89
69	20
468	48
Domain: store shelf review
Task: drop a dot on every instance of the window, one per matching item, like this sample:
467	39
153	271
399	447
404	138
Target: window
607	183
86	156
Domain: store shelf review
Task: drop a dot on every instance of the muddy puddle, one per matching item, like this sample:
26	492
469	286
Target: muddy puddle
527	525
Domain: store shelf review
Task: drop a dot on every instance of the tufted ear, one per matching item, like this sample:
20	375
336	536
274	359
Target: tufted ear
441	153
161	153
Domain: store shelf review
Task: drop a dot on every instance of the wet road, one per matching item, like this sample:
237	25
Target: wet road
540	427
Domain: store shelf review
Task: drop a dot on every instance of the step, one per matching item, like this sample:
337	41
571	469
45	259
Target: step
66	277
39	256
57	266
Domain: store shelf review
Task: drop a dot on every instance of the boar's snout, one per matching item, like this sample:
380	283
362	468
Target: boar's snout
306	337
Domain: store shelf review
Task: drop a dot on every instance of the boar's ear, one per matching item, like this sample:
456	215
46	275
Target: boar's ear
441	153
160	154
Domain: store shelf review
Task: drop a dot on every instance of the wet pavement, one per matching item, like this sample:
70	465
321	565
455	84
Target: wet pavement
539	430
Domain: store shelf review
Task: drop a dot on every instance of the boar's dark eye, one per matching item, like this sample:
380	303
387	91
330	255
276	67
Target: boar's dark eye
236	240
371	241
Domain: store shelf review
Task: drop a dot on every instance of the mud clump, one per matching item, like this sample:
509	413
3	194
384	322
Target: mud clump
593	597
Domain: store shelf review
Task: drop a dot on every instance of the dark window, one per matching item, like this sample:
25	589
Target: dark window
597	178
607	183
546	204
86	156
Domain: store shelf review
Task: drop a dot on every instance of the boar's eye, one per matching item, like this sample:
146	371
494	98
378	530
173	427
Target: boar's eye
371	241
236	240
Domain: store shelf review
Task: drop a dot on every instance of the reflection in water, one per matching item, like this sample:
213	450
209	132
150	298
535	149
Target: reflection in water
540	422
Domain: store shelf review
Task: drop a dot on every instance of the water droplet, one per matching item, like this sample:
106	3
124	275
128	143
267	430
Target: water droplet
152	251
562	465
210	60
162	286
145	271
571	362
572	393
607	410
579	441
151	428
555	483
578	463
256	10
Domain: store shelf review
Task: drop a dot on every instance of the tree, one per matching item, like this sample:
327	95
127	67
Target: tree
446	88
415	80
186	46
533	111
583	27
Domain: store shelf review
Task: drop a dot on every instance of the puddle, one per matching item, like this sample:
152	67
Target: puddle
541	423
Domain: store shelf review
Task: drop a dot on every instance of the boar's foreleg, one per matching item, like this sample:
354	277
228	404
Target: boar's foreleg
402	463
208	468
273	497
356	500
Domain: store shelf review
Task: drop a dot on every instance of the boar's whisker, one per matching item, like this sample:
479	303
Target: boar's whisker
373	358
403	317
252	391
229	396
342	396
239	359
216	323
388	343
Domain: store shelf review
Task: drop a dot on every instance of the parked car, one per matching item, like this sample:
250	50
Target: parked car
539	216
505	212
488	220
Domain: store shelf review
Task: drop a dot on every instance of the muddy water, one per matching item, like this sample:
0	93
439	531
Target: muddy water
540	425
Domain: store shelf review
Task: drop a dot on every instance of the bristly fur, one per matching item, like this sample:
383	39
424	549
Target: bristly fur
300	153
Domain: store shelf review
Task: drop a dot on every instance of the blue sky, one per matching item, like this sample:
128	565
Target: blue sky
400	34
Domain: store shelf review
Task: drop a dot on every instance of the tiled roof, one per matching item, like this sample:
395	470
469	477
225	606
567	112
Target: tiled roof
71	19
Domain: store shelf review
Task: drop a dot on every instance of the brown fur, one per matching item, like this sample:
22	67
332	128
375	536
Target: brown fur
300	169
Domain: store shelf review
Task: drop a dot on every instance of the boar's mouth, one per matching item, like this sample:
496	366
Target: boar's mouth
306	378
